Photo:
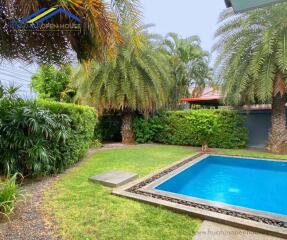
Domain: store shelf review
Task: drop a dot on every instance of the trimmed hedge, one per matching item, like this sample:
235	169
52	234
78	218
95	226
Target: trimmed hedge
43	137
81	131
223	128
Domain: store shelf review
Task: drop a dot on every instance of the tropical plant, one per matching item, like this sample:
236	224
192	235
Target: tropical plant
252	63
26	132
189	66
42	137
98	38
9	193
81	133
52	83
9	92
136	80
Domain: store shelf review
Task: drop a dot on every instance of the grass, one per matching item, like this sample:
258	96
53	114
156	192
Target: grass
89	211
8	196
250	153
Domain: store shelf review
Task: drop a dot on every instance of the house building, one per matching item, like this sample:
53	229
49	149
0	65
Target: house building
257	117
209	98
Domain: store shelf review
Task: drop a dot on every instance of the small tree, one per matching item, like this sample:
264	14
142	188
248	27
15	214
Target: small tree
189	66
205	127
52	83
135	81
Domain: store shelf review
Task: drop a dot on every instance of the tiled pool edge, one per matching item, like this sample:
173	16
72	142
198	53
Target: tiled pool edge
245	220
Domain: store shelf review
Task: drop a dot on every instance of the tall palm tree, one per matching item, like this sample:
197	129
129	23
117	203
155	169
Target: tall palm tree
189	64
252	63
136	80
98	38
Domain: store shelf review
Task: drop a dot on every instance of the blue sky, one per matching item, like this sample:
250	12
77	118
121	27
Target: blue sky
185	17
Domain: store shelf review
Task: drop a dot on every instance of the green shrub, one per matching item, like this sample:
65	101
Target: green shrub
27	136
8	195
81	131
219	128
229	132
43	137
146	130
51	82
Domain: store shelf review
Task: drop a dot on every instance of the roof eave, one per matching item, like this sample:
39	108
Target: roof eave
228	3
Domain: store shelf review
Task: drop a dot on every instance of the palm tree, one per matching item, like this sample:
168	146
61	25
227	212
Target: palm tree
98	38
252	63
135	81
189	63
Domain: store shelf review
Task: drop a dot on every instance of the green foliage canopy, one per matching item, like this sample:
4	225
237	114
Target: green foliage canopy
189	65
219	128
51	82
43	137
252	49
136	80
98	38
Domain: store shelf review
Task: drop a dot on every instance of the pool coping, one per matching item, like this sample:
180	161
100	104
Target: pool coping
249	219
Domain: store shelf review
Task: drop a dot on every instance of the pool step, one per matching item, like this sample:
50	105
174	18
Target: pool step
114	179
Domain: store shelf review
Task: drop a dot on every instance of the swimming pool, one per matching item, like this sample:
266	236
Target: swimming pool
240	191
254	184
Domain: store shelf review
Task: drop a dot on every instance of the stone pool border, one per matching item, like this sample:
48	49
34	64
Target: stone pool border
234	216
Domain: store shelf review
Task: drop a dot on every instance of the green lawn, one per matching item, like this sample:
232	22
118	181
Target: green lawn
249	153
88	211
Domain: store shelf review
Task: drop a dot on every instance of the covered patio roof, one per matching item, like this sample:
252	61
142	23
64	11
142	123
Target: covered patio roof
245	5
207	101
209	97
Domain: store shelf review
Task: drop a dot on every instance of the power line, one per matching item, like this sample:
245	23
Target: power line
17	71
26	70
12	71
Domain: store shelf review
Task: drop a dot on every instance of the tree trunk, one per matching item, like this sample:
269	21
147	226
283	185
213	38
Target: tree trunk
278	134
204	147
127	132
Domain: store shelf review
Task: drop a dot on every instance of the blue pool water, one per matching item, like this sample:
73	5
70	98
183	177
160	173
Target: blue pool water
255	184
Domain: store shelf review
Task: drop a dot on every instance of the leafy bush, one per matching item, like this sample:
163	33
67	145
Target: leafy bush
146	130
229	132
52	83
40	138
26	136
218	128
8	195
80	133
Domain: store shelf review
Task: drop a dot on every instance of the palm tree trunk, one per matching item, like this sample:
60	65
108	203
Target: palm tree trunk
127	132
278	133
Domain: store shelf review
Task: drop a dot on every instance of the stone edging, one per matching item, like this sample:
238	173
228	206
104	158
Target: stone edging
137	189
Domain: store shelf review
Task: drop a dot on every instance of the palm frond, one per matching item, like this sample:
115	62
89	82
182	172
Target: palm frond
135	79
98	39
251	49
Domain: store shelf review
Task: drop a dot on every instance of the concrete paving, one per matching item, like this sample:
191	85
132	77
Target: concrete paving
215	231
114	179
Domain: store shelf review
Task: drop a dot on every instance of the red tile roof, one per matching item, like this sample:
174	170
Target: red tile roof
198	99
